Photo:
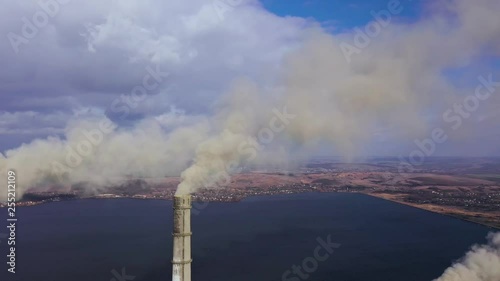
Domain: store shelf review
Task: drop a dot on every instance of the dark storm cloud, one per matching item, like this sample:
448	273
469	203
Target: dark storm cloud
90	52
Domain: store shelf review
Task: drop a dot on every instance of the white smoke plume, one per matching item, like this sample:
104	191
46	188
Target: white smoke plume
320	96
481	263
90	155
392	81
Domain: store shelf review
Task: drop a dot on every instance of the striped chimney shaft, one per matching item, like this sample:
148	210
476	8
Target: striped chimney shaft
181	262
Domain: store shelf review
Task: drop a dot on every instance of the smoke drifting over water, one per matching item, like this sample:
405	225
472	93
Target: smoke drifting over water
481	263
322	95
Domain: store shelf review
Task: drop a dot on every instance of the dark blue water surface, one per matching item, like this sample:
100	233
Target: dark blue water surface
258	239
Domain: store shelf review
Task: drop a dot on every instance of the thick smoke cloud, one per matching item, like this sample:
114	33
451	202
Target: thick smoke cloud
300	88
103	157
393	82
481	263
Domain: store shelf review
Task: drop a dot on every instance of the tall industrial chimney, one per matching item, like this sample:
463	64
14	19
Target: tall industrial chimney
181	262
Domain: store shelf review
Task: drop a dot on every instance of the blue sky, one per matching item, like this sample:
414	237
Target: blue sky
342	14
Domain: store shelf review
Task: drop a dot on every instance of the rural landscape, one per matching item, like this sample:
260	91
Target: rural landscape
465	188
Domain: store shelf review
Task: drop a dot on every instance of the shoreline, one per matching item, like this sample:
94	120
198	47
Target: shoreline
494	227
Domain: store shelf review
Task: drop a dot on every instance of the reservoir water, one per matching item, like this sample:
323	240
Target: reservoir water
258	239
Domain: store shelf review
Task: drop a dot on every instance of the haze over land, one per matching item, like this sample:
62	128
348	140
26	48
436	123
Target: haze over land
211	99
460	187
